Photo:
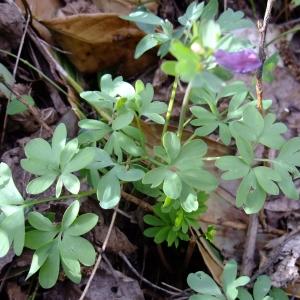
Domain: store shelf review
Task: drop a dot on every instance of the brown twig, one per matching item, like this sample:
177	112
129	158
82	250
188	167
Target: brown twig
139	202
228	224
96	266
248	255
133	270
250	244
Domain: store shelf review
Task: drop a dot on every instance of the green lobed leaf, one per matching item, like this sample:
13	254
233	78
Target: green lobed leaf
233	166
230	20
15	106
265	177
78	248
171	144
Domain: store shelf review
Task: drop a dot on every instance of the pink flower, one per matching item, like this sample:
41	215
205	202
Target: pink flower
242	61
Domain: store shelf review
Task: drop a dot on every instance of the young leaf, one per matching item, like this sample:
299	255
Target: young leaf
71	268
39	258
145	44
201	283
71	182
82	224
40	222
15	106
49	271
40	184
230	20
109	191
70	215
261	287
59	140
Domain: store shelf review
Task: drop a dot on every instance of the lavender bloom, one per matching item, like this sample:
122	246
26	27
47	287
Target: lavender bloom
242	61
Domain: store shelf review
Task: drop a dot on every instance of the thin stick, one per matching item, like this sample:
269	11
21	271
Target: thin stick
250	244
125	259
96	266
248	255
14	75
262	29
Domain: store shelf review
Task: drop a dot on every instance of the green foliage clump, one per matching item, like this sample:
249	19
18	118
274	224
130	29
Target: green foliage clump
232	287
113	149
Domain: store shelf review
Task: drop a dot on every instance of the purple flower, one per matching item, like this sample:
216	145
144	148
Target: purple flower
242	61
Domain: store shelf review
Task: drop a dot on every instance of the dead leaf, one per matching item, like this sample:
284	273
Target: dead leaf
100	41
97	41
117	242
11	27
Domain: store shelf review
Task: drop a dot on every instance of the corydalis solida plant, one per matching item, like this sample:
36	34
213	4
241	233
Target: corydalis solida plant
112	150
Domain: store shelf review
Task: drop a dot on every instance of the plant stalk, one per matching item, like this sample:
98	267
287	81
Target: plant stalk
170	106
184	108
78	196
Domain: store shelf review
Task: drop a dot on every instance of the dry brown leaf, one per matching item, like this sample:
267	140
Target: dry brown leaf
100	42
41	10
118	241
96	42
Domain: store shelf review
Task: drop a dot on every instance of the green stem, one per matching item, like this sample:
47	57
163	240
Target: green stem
142	138
186	123
78	196
191	138
155	162
170	106
184	108
210	158
25	62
